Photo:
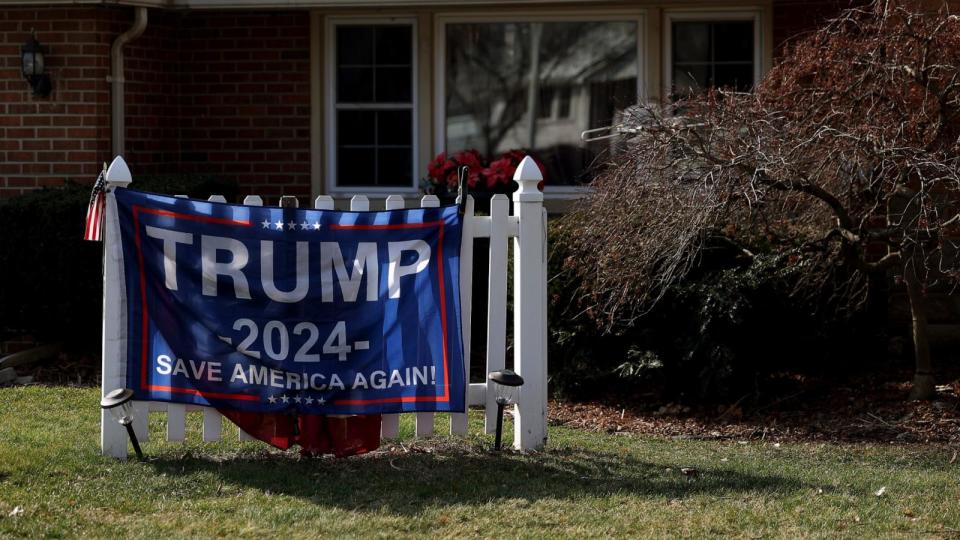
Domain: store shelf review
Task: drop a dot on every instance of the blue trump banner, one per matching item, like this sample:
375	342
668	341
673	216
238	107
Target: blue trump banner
265	309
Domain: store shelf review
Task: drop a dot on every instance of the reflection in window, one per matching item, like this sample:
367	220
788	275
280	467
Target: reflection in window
718	54
536	86
374	105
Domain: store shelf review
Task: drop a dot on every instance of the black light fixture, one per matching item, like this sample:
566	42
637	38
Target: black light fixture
34	66
120	404
507	384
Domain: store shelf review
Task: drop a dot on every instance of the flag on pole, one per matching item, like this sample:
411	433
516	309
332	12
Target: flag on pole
94	224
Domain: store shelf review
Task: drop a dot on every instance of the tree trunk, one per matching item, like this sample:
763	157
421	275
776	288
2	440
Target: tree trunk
923	385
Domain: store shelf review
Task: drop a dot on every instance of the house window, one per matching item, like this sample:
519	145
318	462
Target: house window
371	125
535	86
712	53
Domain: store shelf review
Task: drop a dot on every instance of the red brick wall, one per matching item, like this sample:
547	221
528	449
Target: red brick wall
245	99
45	141
152	102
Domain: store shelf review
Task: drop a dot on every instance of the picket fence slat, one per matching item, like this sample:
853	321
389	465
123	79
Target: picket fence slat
496	302
526	227
389	423
459	421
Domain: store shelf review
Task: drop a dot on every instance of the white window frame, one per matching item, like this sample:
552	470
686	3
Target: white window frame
638	16
671	16
331	106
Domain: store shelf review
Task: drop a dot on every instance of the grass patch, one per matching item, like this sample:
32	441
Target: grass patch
584	485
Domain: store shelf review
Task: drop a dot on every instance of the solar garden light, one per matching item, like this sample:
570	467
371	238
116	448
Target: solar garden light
120	404
507	385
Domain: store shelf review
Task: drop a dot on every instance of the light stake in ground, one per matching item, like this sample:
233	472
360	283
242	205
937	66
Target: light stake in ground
119	403
507	385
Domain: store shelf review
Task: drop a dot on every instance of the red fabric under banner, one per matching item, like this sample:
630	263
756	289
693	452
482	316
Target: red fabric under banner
316	434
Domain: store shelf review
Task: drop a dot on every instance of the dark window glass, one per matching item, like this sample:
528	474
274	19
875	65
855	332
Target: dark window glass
355	45
719	54
694	42
356	128
733	41
374	144
563	102
545	107
393	85
374	105
394	128
393	45
355	85
356	166
394	167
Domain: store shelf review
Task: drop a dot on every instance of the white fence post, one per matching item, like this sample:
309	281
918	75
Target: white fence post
529	308
113	437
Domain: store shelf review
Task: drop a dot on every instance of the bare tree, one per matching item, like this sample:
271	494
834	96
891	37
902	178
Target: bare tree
846	154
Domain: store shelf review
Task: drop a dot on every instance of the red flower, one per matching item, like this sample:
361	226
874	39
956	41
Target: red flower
440	167
499	172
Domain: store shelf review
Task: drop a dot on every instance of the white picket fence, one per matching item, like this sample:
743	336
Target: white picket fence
527	226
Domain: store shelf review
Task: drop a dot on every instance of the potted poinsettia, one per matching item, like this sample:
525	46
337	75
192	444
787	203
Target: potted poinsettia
485	178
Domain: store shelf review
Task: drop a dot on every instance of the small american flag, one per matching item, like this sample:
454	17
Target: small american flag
98	200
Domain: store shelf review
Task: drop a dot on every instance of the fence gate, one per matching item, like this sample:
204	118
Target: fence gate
526	226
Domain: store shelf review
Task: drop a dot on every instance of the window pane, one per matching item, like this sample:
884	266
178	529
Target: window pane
374	141
691	42
689	79
736	76
489	71
393	44
354	85
356	166
394	167
718	53
355	45
394	128
733	41
355	128
393	85
563	102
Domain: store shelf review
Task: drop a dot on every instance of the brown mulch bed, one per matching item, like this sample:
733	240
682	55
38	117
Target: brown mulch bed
857	411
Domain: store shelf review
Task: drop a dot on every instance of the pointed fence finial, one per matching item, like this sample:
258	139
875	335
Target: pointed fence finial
528	175
118	174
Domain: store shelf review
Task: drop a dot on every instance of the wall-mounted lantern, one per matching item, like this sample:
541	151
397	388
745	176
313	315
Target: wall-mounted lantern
34	67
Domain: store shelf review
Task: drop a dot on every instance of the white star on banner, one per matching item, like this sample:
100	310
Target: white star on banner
279	225
304	226
266	224
297	399
309	401
292	225
272	399
284	398
316	225
321	401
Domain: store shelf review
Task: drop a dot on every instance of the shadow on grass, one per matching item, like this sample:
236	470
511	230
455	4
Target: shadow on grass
406	483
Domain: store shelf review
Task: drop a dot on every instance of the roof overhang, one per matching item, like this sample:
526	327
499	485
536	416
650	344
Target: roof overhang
279	4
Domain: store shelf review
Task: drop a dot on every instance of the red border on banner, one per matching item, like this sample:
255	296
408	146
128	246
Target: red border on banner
249	397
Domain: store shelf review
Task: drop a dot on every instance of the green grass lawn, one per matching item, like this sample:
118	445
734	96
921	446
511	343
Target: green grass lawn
584	485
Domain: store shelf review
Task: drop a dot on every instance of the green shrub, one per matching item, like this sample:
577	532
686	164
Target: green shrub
52	278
